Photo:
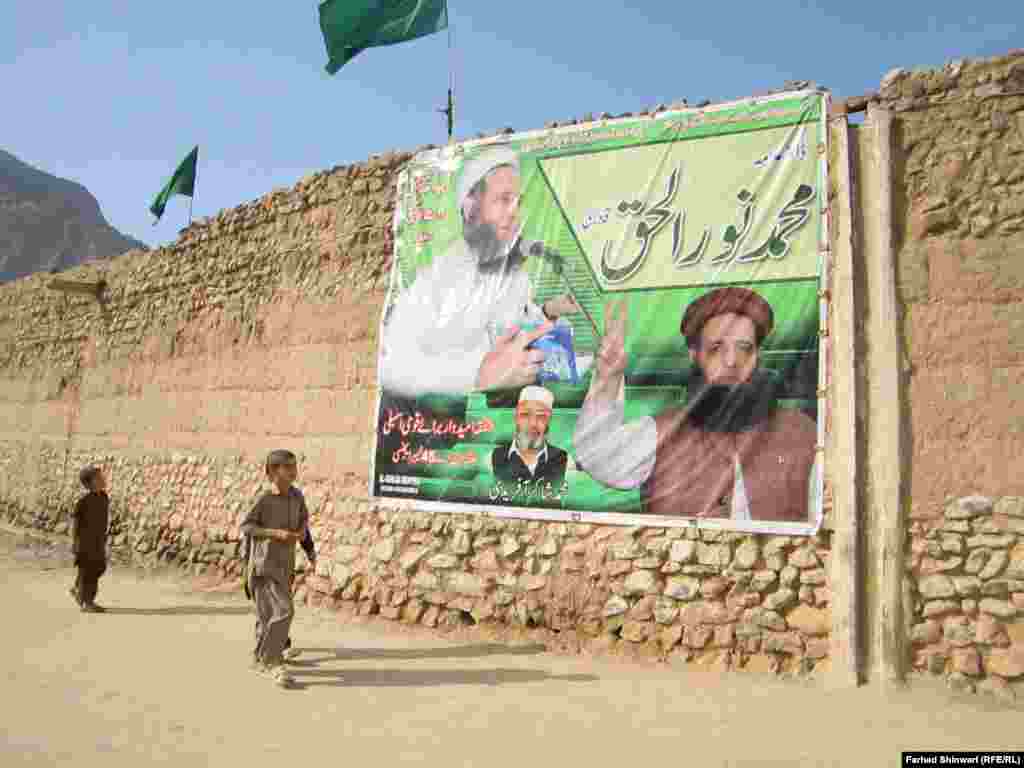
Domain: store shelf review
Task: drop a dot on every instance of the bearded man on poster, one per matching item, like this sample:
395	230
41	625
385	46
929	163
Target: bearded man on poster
529	456
457	327
731	452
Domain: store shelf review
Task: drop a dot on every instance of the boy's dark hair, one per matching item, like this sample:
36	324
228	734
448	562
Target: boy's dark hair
87	475
279	457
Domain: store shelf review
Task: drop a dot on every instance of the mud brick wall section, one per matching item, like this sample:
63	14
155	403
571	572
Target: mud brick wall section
959	140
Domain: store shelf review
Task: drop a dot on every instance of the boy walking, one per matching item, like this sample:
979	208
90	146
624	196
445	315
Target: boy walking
275	525
89	525
310	549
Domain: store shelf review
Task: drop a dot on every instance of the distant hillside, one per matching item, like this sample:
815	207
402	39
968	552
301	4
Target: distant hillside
50	223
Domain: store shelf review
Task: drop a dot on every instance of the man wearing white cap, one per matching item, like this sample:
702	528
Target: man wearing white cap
529	456
456	328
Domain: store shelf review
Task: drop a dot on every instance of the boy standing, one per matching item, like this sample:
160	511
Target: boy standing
89	525
275	525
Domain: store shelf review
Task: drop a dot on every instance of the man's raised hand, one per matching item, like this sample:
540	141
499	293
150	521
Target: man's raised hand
510	364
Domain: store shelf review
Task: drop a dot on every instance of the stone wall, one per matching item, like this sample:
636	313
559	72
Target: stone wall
257	329
968	574
959	137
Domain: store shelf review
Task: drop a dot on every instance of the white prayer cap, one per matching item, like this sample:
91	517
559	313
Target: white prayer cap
479	166
538	395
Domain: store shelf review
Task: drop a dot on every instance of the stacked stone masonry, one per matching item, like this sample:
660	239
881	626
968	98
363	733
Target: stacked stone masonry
257	329
721	598
968	608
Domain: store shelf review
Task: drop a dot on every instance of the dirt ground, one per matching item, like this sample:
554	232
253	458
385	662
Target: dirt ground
163	678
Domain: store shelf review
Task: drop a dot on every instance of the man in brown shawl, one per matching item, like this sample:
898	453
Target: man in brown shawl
731	452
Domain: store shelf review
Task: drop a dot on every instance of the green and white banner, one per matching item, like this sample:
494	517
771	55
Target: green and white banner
616	322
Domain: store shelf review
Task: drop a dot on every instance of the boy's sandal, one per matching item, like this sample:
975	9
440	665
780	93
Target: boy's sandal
282	677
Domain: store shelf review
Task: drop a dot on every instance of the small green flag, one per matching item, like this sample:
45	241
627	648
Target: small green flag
351	26
183	182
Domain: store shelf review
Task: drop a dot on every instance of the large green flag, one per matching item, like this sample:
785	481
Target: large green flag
183	182
351	26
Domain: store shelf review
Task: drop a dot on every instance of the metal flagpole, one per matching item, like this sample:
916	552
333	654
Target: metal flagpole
192	197
451	82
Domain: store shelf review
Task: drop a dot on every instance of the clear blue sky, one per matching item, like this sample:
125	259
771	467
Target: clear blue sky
114	94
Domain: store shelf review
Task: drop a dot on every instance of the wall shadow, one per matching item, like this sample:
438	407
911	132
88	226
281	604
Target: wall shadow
900	204
858	200
409	678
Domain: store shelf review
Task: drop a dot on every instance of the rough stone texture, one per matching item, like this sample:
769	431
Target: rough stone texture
713	587
810	621
640	583
746	555
940	608
936	587
967	585
998	608
616	606
981	635
927	633
765	579
789	576
1006	662
805	557
683	588
665	610
683	551
967	661
1010	506
994	566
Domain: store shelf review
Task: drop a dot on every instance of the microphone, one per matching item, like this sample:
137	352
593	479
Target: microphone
557	261
538	249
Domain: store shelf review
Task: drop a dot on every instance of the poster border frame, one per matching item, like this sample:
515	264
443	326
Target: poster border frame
778	528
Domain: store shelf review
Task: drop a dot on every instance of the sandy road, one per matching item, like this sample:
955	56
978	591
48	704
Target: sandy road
163	679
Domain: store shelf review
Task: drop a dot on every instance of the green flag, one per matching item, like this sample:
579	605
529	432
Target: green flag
350	26
183	182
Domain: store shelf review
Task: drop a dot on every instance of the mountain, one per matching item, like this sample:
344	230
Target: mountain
49	223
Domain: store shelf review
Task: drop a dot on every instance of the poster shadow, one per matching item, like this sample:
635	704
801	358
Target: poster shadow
180	610
477	650
407	678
